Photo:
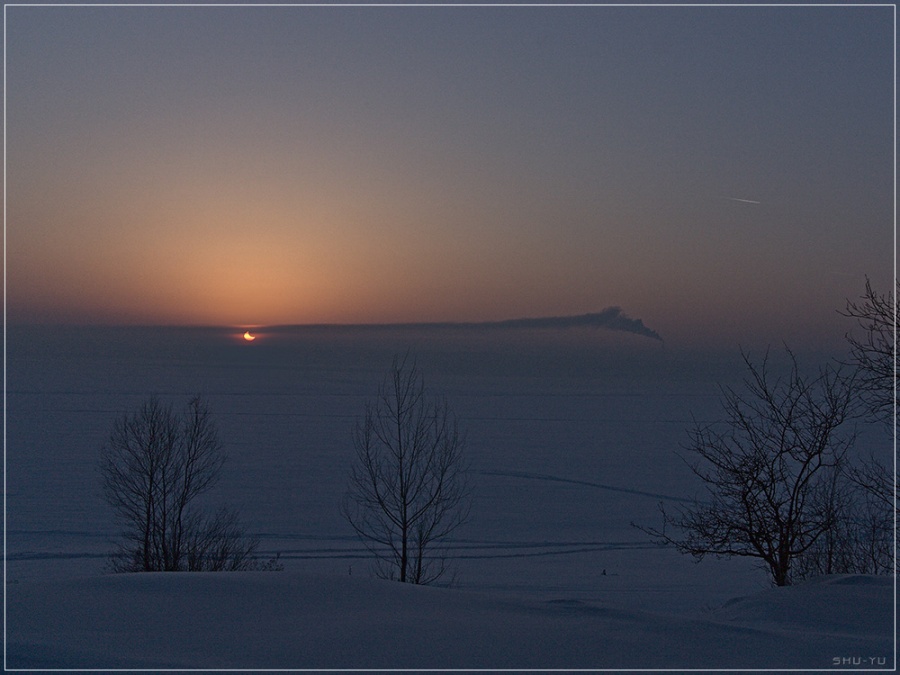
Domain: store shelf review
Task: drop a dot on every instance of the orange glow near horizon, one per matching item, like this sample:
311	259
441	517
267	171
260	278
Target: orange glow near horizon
349	191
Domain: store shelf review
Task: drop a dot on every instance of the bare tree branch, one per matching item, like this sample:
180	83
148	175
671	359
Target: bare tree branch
874	354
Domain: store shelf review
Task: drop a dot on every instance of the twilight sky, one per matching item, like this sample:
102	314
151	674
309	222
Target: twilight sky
722	173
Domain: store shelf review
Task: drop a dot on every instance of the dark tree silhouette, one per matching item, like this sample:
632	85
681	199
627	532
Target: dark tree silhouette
873	353
154	466
408	489
873	356
768	469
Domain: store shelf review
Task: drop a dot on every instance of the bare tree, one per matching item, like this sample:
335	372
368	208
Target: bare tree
874	357
768	469
408	490
873	354
154	466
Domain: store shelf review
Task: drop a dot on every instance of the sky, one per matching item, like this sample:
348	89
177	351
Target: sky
722	173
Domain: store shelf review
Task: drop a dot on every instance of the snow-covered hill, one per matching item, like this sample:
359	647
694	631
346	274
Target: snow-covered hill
289	620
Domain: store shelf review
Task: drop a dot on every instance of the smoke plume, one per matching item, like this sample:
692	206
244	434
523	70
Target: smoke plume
611	318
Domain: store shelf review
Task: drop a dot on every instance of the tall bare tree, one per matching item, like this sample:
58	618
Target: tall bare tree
873	354
154	466
408	489
768	469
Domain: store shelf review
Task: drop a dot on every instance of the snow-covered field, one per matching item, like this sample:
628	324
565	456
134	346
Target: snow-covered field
295	620
571	436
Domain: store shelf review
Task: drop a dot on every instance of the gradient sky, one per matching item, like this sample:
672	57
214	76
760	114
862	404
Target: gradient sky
725	172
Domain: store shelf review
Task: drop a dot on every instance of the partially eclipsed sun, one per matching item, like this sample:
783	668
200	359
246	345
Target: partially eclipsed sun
248	337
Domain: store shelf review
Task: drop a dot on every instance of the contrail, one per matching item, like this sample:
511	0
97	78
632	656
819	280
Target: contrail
744	201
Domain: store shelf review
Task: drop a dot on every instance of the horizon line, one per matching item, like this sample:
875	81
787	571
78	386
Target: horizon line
610	318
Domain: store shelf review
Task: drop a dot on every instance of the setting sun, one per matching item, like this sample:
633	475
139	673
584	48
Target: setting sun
248	337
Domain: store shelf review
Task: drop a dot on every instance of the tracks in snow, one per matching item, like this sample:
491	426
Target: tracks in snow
310	546
556	479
